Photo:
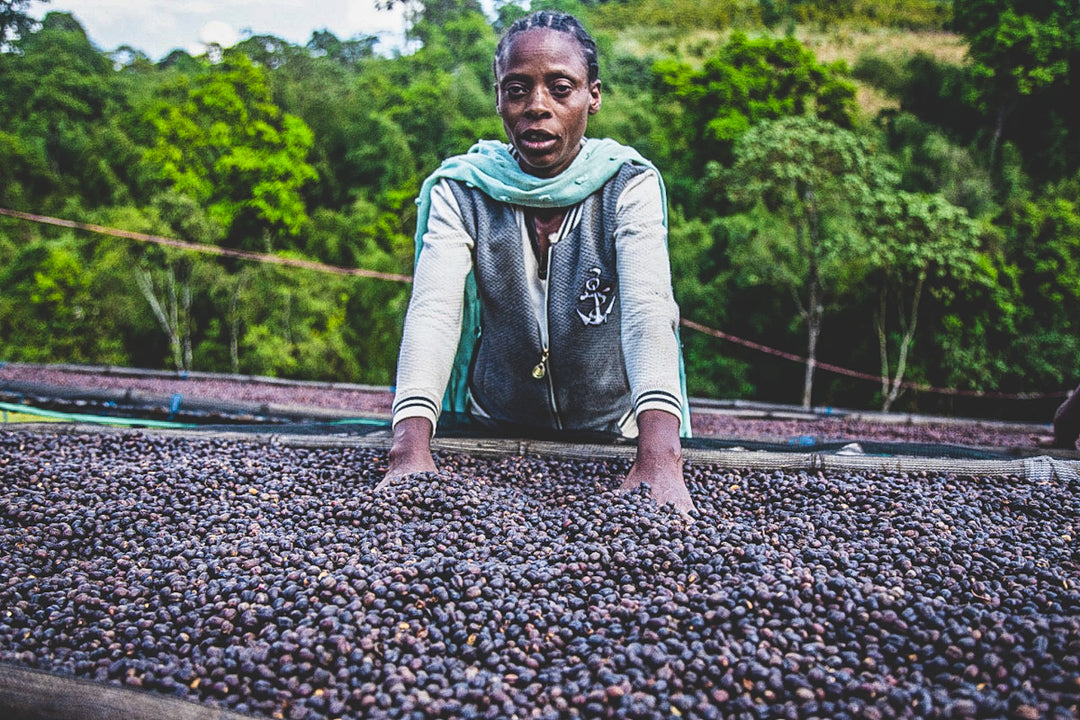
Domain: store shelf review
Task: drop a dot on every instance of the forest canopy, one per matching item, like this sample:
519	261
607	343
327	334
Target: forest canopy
894	192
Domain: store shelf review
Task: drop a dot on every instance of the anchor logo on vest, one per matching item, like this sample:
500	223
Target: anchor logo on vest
593	297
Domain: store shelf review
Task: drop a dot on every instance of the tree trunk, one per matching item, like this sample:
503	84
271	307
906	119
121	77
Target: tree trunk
287	321
883	338
165	320
908	328
234	326
815	307
186	289
167	313
813	331
1004	108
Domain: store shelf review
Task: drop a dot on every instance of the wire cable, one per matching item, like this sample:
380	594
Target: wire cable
208	249
720	334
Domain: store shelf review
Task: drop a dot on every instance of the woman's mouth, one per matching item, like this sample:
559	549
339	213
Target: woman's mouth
536	141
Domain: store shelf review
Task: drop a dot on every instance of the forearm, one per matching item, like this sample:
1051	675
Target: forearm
410	450
650	316
429	341
658	439
433	321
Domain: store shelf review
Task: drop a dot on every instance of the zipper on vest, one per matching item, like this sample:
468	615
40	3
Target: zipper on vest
541	371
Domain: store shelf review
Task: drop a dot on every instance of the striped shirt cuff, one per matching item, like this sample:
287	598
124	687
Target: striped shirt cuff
416	406
659	400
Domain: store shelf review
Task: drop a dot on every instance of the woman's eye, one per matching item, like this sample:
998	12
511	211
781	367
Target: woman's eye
562	89
515	91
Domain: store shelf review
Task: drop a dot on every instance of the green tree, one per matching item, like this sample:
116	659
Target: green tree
358	149
349	53
222	141
282	324
49	311
747	82
381	239
706	292
268	51
930	162
59	99
25	174
1044	247
168	294
801	180
1021	51
424	16
441	96
918	241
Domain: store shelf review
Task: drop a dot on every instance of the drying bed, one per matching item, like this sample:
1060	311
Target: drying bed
237	395
255	576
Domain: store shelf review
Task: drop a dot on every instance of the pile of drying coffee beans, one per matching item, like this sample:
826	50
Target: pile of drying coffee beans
272	579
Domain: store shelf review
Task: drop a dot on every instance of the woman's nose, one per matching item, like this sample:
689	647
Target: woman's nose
539	102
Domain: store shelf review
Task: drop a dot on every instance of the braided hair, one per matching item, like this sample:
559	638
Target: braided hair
552	20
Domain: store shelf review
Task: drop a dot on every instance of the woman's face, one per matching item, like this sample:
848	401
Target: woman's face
545	98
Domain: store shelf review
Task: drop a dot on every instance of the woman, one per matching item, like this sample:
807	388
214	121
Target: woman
543	263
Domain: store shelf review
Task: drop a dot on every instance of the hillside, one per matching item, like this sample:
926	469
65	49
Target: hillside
694	31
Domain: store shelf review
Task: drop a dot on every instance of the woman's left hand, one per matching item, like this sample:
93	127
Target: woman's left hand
659	461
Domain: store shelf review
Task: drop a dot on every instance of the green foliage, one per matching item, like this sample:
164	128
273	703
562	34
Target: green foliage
930	162
57	74
357	147
1024	55
1045	247
506	12
221	141
748	82
919	241
465	34
49	309
676	15
808	174
1019	48
349	53
703	288
287	328
25	173
185	217
911	14
965	197
939	93
919	236
803	181
270	52
441	96
57	98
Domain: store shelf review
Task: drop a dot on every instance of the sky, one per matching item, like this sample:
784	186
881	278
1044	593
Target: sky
156	27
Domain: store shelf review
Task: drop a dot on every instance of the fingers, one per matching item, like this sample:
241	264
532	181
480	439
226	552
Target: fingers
681	500
386	481
398	471
662	490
